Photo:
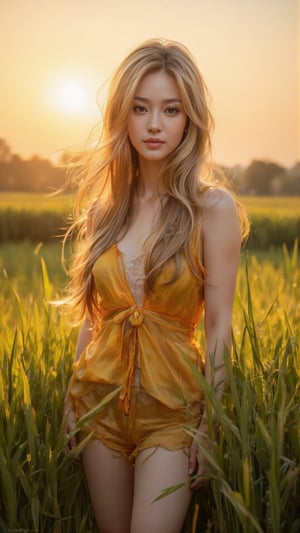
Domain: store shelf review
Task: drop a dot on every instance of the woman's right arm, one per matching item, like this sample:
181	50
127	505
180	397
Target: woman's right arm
84	338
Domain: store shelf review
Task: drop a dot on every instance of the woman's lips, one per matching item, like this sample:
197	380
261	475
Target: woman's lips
153	143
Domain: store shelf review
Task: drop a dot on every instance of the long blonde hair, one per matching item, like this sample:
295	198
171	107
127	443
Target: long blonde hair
110	173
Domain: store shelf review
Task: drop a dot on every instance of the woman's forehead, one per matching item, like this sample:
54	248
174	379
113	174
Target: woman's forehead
159	83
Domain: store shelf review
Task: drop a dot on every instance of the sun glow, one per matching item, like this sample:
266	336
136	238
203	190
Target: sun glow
71	95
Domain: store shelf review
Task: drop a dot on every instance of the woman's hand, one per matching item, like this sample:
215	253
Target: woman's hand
69	425
197	462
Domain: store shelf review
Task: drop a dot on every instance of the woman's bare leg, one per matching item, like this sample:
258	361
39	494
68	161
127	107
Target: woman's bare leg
110	482
153	474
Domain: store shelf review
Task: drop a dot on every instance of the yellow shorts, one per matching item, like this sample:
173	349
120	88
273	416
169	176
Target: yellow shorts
149	424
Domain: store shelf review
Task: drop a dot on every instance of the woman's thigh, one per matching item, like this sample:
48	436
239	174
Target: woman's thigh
155	470
110	481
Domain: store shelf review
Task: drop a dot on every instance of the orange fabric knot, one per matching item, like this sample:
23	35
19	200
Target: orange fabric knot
136	318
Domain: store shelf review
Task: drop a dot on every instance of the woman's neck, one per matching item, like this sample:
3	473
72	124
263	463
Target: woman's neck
149	183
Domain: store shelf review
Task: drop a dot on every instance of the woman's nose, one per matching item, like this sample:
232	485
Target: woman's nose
154	122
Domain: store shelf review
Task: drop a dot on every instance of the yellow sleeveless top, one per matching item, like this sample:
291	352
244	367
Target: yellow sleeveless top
157	336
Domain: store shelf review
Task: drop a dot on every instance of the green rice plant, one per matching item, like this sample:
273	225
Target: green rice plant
255	471
21	264
42	488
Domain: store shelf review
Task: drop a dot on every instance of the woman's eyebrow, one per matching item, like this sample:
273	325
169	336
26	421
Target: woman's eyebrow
166	101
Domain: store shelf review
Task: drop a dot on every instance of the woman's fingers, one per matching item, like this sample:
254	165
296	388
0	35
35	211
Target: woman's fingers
192	465
70	425
197	467
199	479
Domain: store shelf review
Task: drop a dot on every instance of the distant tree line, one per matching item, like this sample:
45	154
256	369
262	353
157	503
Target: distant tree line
262	178
265	178
33	175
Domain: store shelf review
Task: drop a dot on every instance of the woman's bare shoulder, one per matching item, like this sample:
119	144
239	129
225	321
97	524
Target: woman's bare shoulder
220	223
217	200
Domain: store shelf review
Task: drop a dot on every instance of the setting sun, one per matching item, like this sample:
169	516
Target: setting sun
70	94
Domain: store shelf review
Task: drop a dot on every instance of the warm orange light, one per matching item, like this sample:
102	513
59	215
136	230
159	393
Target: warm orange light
70	94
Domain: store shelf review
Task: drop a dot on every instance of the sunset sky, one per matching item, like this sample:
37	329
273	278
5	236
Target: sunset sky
56	54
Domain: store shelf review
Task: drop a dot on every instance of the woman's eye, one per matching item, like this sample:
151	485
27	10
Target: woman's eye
172	110
139	109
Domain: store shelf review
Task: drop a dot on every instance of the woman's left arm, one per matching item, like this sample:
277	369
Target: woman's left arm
221	241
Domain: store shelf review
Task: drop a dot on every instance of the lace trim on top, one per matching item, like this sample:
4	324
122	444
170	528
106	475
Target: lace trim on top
134	269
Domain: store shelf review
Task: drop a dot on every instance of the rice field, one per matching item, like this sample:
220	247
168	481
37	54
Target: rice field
283	206
278	206
35	201
43	218
254	460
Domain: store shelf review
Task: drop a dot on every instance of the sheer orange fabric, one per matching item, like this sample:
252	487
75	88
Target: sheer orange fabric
156	337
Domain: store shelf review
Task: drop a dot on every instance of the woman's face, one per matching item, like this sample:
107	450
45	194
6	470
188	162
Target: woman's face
157	119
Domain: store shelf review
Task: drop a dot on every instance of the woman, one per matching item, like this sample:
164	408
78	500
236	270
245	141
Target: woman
159	245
